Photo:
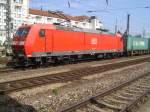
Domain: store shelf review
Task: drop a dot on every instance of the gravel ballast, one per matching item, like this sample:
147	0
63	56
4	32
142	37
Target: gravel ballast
53	99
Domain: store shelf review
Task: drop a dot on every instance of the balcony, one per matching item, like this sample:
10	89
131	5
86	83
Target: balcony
2	1
18	4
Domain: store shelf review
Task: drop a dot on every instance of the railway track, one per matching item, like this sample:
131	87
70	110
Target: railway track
17	85
120	98
21	68
10	70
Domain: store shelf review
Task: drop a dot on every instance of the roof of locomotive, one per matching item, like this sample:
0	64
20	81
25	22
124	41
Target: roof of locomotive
44	26
76	29
59	27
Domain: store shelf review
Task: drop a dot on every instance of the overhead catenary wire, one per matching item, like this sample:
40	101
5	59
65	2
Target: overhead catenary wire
118	9
70	5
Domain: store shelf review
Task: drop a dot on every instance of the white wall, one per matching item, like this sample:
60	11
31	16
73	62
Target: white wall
94	24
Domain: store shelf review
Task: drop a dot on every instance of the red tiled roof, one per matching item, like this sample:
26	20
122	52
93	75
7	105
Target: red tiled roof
57	15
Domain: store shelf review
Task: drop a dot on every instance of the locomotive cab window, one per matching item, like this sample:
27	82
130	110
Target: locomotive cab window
42	33
21	32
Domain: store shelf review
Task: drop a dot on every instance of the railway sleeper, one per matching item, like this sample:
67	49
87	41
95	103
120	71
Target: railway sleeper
142	87
96	108
36	82
120	98
128	95
133	91
138	89
131	104
33	82
117	100
105	104
16	85
45	80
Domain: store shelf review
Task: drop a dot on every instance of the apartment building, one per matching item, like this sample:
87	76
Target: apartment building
19	14
56	17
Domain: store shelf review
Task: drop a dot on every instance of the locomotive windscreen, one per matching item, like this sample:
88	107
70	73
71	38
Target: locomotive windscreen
21	32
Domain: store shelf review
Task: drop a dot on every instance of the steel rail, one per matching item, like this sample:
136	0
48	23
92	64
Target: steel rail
105	93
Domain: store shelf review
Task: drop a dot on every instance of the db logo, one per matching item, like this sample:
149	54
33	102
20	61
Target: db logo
94	41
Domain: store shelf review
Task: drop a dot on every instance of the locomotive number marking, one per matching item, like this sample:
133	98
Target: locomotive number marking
94	41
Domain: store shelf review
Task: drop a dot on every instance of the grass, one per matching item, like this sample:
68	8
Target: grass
55	91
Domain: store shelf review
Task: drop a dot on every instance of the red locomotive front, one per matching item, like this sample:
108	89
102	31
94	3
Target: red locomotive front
18	45
28	41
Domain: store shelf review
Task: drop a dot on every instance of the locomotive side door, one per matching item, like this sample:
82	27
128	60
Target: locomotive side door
48	41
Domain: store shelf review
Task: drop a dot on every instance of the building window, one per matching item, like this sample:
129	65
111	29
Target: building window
38	18
18	9
5	20
76	23
4	13
18	15
2	7
49	19
59	20
3	1
18	1
84	24
19	21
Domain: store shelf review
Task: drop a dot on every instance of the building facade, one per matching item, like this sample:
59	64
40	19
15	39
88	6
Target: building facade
22	14
19	14
39	16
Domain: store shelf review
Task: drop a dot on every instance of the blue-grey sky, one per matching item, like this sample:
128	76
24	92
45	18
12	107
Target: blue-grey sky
140	16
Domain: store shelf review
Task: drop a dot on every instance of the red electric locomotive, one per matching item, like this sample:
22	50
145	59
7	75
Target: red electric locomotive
43	43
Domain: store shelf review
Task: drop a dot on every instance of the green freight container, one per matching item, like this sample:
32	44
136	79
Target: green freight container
136	43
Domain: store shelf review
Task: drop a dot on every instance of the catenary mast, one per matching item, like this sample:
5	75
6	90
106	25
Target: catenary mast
8	25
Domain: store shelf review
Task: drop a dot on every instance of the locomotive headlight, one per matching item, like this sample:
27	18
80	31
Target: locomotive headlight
21	43
14	43
18	43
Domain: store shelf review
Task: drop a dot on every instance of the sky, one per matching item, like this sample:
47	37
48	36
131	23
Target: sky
116	10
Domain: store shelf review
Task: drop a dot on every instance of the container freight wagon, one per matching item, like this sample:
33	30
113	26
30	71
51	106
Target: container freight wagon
136	45
41	43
